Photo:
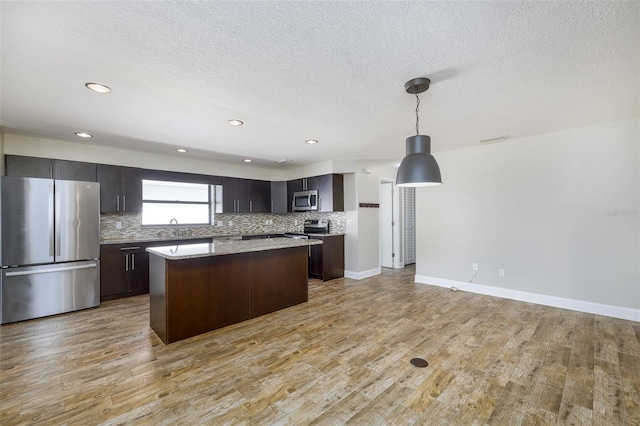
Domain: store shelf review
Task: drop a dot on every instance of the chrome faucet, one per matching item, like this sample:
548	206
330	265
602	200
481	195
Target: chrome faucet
176	232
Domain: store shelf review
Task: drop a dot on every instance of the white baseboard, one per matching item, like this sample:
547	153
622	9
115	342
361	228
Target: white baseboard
363	274
540	299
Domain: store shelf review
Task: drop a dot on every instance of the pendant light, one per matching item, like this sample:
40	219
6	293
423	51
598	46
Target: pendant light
418	168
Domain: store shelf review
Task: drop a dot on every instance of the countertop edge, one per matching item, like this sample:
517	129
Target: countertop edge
193	237
229	248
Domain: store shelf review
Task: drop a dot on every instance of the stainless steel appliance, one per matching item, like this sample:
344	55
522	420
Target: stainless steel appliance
316	226
311	226
50	249
305	201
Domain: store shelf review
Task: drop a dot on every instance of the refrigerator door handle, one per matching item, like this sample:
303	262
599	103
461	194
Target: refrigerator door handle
48	270
57	227
51	224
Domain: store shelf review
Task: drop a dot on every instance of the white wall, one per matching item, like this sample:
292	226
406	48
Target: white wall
362	242
558	212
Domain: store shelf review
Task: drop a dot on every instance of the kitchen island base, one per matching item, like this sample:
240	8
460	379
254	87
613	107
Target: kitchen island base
196	295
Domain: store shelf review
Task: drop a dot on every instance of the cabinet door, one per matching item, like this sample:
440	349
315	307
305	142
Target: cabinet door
292	186
74	170
279	197
114	278
316	261
228	195
333	257
109	179
242	196
131	190
330	193
338	193
312	183
17	165
259	196
139	271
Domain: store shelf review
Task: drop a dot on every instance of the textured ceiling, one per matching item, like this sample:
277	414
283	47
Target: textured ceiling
332	71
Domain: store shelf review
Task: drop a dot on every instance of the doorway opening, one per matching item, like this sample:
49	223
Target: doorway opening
390	225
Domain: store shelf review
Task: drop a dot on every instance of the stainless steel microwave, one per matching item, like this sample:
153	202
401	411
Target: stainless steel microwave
305	201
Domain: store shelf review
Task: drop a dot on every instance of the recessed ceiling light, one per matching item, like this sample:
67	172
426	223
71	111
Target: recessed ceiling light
311	141
284	160
247	160
84	134
235	122
181	150
97	87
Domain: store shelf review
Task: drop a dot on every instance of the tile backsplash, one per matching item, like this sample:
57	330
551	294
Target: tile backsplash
232	224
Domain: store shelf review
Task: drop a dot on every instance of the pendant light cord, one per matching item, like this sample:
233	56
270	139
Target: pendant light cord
417	116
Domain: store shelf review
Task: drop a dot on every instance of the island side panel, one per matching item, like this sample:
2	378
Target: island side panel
157	296
279	279
207	293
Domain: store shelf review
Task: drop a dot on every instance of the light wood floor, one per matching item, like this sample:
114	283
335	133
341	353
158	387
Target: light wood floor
341	358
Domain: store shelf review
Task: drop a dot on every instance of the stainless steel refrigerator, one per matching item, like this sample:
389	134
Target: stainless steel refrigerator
50	232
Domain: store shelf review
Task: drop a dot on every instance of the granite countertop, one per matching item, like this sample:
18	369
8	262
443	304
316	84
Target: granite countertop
218	248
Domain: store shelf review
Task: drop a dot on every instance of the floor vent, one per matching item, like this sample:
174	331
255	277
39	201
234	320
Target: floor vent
419	362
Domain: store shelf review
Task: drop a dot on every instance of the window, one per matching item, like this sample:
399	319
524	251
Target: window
188	203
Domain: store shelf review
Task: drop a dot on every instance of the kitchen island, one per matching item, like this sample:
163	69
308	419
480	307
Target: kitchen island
196	288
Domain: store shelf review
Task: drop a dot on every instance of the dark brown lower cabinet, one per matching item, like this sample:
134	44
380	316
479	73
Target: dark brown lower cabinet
326	260
193	296
124	268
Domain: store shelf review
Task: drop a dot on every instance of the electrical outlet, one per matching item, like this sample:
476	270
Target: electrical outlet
475	267
266	222
119	225
501	273
295	222
220	223
230	223
270	221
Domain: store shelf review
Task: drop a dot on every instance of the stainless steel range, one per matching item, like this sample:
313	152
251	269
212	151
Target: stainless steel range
50	249
311	226
316	226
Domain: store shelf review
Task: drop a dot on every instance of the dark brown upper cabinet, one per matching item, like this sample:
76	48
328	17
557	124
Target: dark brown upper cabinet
120	189
17	165
330	191
245	195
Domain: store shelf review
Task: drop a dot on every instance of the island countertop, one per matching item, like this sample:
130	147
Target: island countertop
219	248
